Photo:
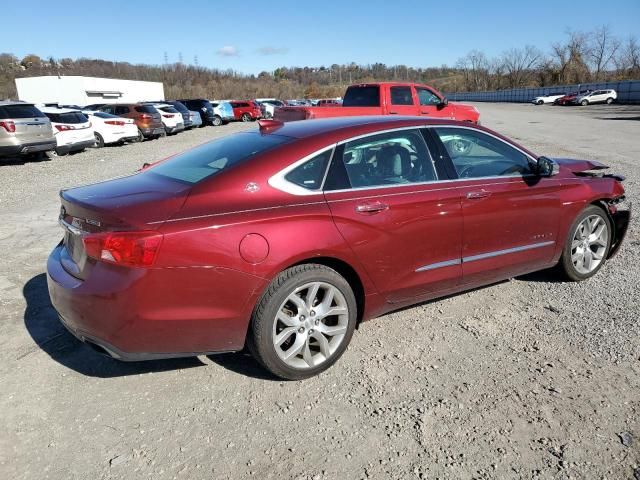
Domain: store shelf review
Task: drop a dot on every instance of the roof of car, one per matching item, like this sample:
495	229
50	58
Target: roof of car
347	125
58	110
14	102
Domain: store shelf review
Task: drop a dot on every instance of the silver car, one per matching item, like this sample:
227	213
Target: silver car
24	130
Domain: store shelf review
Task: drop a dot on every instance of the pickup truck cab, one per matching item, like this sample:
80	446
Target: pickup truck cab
385	98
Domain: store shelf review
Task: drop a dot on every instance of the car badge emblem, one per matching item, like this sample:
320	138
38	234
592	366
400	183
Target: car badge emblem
76	222
252	187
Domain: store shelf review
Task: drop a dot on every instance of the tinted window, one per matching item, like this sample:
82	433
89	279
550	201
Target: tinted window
393	158
20	111
180	107
104	115
145	109
401	96
71	117
310	174
169	110
211	158
427	97
368	96
121	110
476	154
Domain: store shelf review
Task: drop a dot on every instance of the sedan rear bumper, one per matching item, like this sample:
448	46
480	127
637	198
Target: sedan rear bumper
138	313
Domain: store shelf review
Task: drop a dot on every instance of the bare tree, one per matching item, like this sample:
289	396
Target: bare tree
602	51
628	58
519	64
475	67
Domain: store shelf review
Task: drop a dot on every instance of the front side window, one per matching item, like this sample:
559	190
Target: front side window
310	174
476	154
401	96
394	158
427	97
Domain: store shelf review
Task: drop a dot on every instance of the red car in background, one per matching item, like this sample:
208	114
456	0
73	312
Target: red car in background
284	238
246	110
570	98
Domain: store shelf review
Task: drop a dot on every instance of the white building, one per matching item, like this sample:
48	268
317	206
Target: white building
76	90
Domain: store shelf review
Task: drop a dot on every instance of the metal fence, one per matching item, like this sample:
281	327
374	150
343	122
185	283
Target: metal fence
628	92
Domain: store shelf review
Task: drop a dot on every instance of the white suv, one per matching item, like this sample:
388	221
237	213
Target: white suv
597	96
71	128
171	118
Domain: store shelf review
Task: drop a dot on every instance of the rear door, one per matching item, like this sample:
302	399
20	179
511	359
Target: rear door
400	221
31	125
511	215
401	100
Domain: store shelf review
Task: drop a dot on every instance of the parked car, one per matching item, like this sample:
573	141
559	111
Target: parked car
147	118
597	96
171	118
569	98
184	111
247	111
328	102
269	105
110	129
196	119
223	112
548	98
205	109
385	98
24	130
203	252
72	130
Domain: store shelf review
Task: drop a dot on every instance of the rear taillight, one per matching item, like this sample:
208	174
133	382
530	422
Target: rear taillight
114	122
64	128
8	125
133	249
146	116
167	116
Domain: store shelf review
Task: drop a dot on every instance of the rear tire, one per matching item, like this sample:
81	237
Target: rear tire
540	102
609	101
99	140
245	117
217	121
587	245
140	138
304	322
584	103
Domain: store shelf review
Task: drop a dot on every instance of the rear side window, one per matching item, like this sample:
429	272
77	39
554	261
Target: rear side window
211	158
401	96
122	110
310	174
71	117
368	96
145	109
20	111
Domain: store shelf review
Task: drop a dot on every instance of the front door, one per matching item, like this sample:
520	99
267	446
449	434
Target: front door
511	215
387	203
430	104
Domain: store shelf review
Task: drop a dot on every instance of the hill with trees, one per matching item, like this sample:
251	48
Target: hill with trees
582	57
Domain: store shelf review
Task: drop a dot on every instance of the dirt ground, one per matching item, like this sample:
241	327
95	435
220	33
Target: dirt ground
531	378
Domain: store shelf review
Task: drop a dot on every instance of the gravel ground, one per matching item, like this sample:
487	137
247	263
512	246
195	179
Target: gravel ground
531	378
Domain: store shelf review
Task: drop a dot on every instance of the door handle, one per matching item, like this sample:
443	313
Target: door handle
478	194
393	113
373	207
423	112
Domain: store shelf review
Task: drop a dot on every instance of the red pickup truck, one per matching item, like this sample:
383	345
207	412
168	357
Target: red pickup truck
385	98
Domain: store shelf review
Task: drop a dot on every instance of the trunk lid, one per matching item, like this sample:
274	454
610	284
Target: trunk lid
136	202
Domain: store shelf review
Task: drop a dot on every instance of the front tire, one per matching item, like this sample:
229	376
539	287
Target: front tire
584	103
217	121
587	245
303	322
540	102
245	117
99	140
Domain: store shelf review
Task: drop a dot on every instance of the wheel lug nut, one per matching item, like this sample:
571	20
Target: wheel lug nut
310	331
301	330
317	322
302	318
313	313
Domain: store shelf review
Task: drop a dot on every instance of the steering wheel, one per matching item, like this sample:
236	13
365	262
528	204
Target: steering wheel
465	172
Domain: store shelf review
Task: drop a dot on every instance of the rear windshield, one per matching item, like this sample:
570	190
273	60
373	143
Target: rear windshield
211	158
169	110
145	109
104	115
71	117
368	96
20	111
180	107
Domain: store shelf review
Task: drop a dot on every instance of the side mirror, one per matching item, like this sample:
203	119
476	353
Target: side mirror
443	103
547	167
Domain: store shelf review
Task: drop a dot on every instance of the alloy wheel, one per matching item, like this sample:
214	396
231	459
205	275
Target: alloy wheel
589	244
310	325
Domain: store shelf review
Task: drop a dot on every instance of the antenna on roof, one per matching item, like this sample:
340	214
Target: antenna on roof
268	125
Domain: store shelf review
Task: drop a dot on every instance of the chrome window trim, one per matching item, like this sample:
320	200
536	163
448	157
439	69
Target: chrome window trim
279	182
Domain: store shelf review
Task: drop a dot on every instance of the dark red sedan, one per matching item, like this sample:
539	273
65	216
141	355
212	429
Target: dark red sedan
285	237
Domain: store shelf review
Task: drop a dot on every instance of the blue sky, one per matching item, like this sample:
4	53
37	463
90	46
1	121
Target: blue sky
250	35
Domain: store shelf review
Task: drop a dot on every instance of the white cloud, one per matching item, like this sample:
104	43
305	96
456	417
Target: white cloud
228	51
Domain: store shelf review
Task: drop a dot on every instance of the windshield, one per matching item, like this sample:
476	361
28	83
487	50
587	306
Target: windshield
209	159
